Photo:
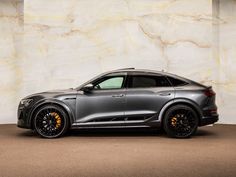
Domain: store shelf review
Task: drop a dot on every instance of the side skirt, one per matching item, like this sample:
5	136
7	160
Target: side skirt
118	124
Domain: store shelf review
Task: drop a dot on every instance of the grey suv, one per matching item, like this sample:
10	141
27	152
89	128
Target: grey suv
119	99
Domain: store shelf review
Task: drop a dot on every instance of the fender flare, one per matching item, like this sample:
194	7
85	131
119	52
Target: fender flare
179	101
48	102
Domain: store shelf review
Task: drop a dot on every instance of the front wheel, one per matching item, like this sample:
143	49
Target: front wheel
51	121
180	121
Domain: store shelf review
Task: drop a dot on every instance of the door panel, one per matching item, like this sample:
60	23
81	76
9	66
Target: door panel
146	95
147	101
100	105
104	103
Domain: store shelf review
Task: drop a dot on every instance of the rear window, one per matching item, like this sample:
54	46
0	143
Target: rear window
140	81
176	82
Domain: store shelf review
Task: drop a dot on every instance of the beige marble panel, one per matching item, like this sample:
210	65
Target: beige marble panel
116	34
10	43
227	60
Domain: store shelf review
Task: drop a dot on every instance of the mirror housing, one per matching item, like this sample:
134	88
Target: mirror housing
88	88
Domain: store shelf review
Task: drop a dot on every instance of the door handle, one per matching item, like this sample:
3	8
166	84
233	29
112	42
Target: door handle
118	96
164	94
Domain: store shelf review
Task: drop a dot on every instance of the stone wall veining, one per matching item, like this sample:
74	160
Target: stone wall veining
60	44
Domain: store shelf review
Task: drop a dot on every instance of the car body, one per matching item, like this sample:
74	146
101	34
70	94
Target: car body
121	98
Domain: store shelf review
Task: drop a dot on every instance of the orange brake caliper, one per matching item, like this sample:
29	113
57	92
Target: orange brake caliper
173	121
58	119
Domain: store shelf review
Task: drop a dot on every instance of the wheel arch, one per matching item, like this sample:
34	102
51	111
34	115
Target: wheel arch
51	102
174	102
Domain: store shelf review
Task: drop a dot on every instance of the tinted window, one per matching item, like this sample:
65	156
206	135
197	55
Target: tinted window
148	81
176	82
110	83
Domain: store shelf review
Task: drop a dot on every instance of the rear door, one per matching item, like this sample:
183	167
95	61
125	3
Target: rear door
146	94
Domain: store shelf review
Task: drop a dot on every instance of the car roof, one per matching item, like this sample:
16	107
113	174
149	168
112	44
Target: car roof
133	70
148	71
144	71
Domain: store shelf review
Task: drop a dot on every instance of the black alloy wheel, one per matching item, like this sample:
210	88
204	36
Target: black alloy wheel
51	121
180	121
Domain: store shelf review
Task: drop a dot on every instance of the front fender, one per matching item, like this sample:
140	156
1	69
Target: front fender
51	101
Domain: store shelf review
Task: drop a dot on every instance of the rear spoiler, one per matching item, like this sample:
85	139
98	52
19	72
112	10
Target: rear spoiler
209	91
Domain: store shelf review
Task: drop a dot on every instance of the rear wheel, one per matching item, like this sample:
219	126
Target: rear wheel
51	121
180	121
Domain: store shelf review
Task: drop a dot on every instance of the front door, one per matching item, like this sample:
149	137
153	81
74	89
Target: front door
105	104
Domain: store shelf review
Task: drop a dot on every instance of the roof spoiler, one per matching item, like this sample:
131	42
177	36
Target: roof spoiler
125	68
209	87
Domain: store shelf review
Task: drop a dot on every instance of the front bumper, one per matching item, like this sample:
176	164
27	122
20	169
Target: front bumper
209	120
22	124
23	117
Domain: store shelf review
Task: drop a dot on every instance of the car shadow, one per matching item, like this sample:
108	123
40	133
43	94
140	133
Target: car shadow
130	133
114	132
27	133
201	132
146	132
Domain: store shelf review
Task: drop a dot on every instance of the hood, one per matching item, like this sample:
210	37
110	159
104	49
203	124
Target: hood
70	90
52	93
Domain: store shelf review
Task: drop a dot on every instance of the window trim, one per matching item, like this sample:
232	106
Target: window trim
103	78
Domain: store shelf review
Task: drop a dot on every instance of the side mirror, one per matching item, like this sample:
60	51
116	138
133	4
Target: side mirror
88	88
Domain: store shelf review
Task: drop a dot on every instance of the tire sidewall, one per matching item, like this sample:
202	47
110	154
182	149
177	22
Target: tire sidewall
61	111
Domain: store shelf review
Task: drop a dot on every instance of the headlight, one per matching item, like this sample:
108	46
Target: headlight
26	102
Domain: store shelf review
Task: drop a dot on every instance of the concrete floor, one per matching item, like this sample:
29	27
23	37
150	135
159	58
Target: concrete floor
111	153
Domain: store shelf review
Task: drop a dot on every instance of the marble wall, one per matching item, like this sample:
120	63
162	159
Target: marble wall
226	83
11	44
60	44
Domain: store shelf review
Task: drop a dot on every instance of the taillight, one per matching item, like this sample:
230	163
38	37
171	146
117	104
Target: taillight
210	112
209	92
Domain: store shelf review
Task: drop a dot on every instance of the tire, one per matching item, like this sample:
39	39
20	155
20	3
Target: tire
51	121
180	121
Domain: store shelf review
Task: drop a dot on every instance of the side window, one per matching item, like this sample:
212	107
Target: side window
110	83
148	81
162	81
176	82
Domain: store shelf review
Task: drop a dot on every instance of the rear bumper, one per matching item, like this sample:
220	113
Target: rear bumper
209	120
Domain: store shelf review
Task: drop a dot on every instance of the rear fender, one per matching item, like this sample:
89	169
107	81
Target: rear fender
179	101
